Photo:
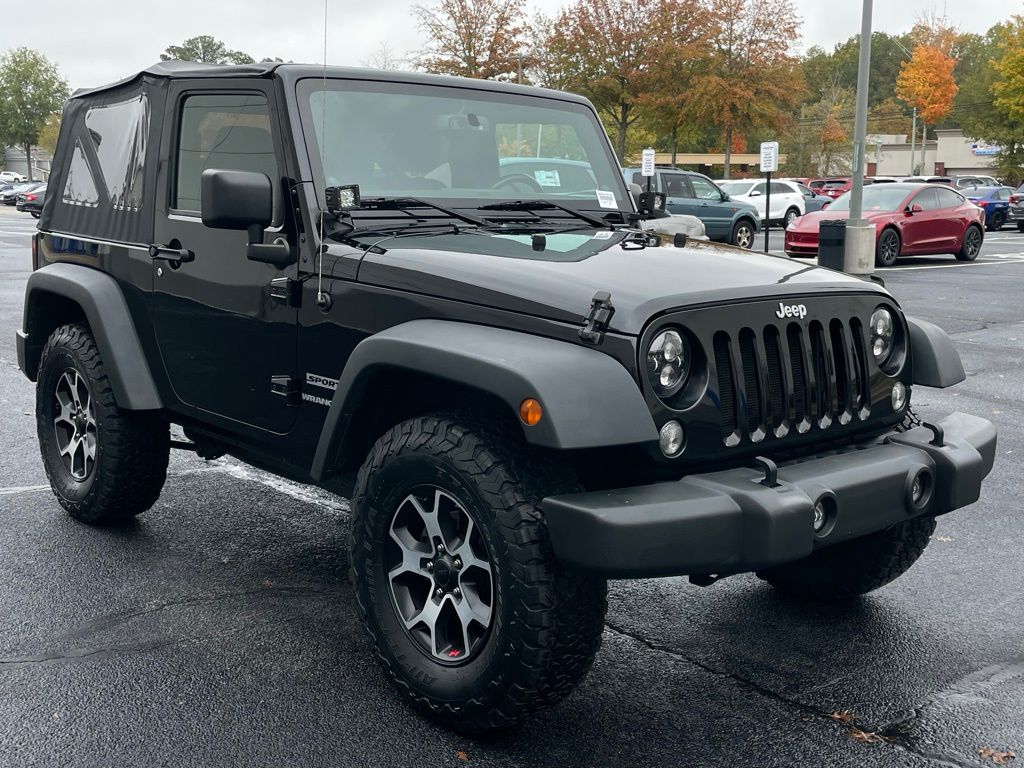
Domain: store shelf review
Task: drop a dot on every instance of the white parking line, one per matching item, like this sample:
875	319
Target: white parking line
1003	259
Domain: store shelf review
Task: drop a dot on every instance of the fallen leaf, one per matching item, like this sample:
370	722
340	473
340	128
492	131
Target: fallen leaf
866	737
844	716
462	756
997	757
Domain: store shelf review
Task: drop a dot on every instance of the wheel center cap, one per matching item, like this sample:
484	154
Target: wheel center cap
444	572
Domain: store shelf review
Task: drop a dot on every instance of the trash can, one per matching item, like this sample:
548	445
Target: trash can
832	244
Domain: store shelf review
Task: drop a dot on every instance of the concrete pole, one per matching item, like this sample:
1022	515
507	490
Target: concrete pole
913	143
860	235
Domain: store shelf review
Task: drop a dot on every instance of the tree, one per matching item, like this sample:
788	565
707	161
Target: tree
753	81
926	83
1001	119
820	67
384	57
619	53
473	38
206	49
31	92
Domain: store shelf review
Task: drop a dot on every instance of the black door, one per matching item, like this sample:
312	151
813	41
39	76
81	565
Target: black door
222	337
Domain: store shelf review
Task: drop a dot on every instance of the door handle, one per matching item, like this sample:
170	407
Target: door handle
167	253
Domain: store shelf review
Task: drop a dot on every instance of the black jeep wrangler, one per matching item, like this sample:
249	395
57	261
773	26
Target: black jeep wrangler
434	296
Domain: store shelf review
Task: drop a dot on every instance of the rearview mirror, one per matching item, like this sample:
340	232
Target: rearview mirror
237	200
244	200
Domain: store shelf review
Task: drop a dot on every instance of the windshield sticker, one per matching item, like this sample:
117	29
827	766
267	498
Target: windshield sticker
602	234
606	199
547	178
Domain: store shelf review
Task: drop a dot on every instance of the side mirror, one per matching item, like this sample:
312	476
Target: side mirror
755	193
243	200
915	208
635	190
725	197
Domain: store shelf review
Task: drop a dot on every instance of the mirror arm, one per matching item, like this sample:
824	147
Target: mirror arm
279	253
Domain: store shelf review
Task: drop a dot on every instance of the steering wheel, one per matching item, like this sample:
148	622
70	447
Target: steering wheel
514	179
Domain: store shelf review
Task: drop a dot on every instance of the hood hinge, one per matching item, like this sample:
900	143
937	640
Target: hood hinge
600	317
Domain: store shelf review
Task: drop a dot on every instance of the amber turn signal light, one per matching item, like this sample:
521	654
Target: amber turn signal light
530	412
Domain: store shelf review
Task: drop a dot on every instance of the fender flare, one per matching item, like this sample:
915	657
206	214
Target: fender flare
933	355
589	399
106	311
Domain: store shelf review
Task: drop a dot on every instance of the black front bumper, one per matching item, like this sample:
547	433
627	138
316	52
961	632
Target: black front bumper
729	522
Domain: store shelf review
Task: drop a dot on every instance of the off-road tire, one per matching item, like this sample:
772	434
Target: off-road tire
971	245
885	254
547	623
742	234
132	447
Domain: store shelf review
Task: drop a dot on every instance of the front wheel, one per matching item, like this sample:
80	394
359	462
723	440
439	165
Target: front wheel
743	234
473	618
887	251
791	215
971	246
853	568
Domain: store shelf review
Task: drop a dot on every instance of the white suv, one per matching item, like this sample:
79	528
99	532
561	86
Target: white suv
10	177
787	200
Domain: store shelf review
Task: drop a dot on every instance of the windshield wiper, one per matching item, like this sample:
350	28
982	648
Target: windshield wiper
541	205
422	228
402	203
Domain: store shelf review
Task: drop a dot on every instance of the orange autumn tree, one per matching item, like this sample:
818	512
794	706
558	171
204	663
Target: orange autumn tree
926	81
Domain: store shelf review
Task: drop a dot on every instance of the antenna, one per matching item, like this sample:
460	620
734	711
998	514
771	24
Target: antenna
323	301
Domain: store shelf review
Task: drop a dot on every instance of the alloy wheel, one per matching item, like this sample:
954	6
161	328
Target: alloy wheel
744	236
889	248
75	424
972	242
440	575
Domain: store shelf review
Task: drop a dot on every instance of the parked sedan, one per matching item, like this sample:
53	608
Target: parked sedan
1016	212
10	197
32	202
995	201
909	219
812	200
787	201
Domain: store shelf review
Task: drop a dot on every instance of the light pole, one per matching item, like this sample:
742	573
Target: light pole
860	235
913	124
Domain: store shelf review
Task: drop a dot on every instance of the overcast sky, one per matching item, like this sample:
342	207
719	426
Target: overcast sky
96	43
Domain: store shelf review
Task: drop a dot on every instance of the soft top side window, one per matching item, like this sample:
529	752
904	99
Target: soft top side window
228	131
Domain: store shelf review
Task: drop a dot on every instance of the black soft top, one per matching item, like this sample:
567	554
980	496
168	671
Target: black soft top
174	69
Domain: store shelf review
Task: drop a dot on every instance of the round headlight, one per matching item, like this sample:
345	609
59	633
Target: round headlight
883	334
668	362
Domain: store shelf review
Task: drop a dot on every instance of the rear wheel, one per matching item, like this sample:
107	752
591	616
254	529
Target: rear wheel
743	234
473	618
971	246
998	219
887	251
1020	226
105	464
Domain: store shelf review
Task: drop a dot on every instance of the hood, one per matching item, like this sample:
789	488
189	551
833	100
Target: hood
558	283
810	221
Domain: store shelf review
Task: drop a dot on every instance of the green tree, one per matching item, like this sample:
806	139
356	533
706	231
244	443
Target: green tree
207	50
31	92
821	68
999	119
752	81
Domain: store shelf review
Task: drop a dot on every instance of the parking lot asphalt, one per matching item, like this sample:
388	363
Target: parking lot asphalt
219	629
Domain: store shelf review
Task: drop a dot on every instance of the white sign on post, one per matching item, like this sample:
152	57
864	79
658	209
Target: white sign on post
647	162
769	156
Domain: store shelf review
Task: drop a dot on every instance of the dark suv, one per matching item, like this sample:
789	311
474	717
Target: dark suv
725	220
339	276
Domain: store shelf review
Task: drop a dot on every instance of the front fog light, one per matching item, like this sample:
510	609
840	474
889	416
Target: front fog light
820	516
672	438
899	396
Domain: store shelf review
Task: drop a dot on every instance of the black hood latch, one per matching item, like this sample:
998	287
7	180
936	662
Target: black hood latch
600	317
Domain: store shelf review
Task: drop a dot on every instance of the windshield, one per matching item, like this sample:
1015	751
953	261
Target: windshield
456	145
734	188
884	197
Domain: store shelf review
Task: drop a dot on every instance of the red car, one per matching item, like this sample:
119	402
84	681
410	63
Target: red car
909	219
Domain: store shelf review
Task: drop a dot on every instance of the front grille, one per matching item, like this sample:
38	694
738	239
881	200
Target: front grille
810	376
